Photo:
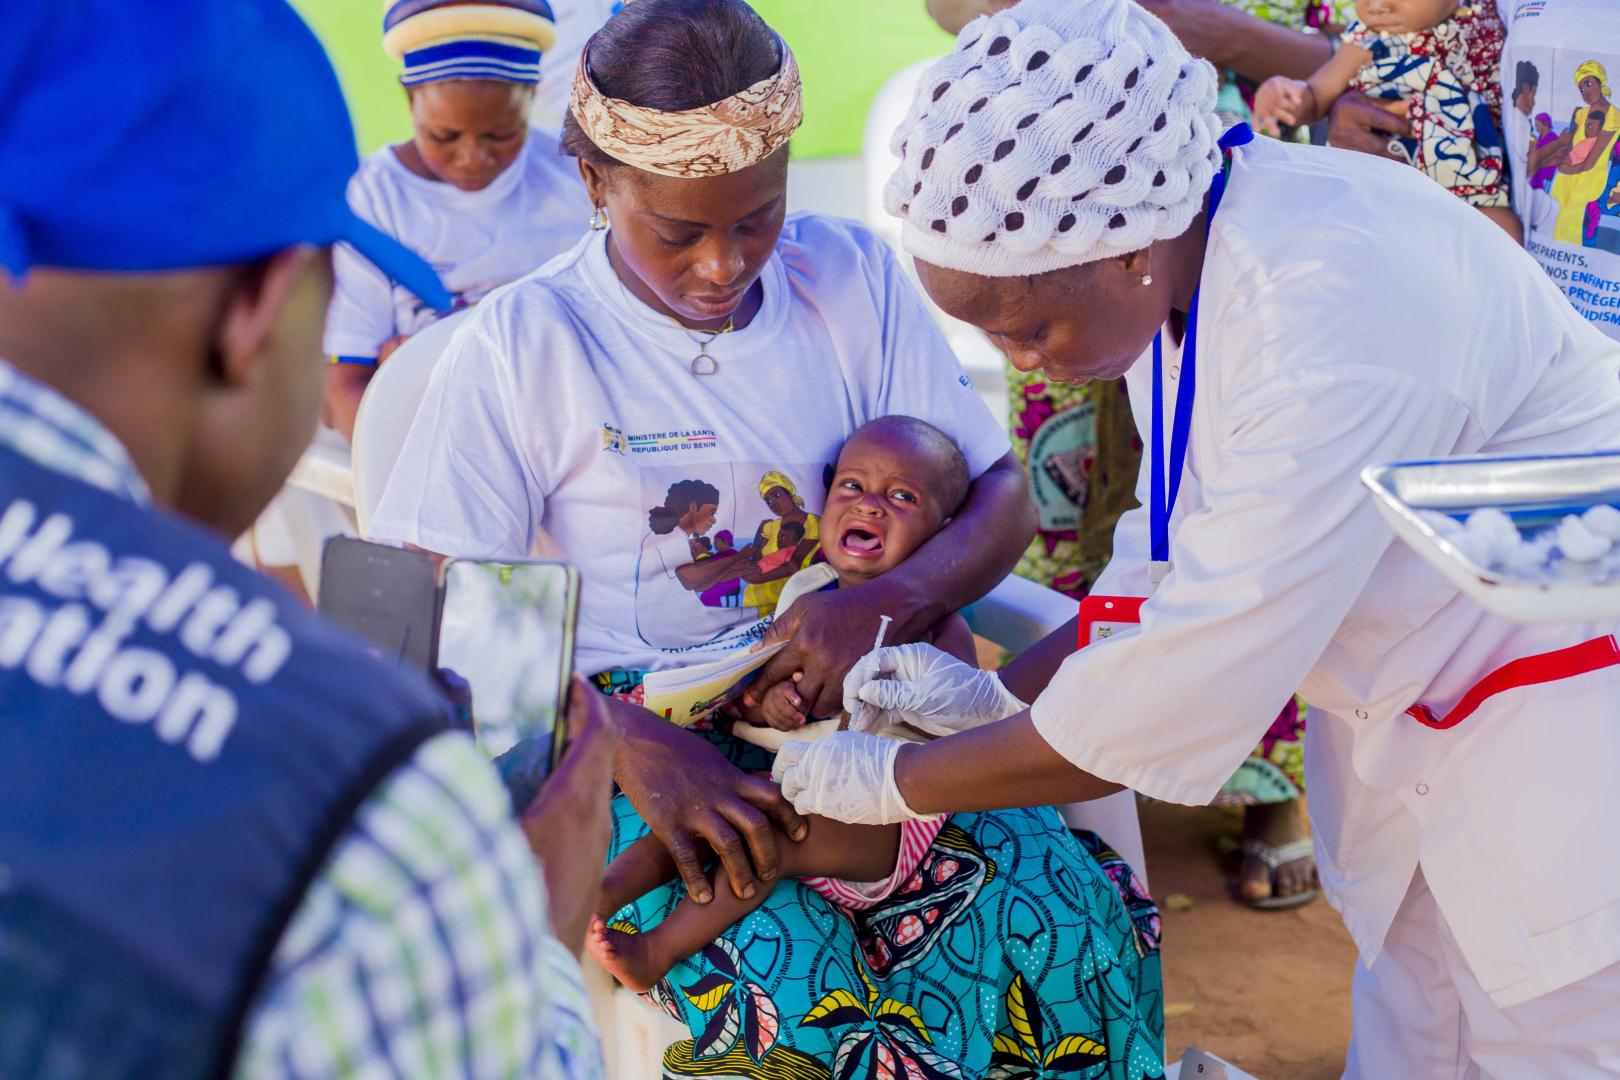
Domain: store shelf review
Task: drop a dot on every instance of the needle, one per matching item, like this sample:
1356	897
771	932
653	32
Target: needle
883	628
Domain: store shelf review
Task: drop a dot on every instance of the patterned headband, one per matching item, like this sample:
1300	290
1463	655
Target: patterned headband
711	140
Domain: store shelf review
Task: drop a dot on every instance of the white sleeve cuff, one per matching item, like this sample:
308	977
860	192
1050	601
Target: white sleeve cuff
1061	728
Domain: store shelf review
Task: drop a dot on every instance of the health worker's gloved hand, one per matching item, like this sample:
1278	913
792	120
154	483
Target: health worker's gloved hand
926	688
846	777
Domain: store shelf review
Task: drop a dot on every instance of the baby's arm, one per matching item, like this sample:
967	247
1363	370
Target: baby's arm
1296	101
954	637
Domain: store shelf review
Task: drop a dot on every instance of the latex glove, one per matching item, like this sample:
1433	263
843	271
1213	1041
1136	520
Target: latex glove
926	688
846	776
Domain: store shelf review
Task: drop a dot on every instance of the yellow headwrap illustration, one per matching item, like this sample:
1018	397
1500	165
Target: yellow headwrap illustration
1594	69
774	479
770	541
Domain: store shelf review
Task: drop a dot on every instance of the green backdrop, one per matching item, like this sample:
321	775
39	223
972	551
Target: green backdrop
846	49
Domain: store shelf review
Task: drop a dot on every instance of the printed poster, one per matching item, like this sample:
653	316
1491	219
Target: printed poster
1563	129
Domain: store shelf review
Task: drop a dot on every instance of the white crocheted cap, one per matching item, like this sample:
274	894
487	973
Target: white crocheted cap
1058	132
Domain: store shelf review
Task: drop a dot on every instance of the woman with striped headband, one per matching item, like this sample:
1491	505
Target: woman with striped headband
476	191
626	400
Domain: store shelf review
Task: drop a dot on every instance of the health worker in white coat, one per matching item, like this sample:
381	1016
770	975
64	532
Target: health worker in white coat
1284	316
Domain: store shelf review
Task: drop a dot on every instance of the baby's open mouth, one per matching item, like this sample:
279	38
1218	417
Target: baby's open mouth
861	543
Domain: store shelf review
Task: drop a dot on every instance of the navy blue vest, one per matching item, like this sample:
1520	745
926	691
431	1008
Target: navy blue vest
181	744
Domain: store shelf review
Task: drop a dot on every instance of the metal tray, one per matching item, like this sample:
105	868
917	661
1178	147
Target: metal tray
1535	492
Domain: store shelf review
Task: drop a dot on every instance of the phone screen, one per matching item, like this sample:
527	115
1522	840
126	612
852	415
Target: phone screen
508	630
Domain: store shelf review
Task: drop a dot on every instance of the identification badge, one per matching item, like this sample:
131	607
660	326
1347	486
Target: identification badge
1108	616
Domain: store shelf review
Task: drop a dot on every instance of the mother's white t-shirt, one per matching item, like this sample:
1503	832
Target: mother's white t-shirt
566	405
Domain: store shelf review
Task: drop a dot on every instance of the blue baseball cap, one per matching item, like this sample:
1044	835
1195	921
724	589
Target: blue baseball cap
164	136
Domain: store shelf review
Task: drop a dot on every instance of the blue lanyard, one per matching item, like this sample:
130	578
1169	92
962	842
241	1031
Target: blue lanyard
1162	503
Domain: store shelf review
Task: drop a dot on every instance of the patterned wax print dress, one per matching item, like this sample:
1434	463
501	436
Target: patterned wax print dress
1015	950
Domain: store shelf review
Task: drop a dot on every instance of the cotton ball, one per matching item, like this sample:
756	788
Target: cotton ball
1522	561
1571	570
1473	547
1495	532
1531	557
1603	520
1579	543
1444	525
1543	546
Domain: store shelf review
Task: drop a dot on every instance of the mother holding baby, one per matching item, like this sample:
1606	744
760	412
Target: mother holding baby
1284	316
719	341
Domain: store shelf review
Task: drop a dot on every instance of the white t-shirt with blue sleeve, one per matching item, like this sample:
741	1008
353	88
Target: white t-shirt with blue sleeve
476	240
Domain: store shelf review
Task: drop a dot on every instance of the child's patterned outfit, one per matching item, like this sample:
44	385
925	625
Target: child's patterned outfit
916	837
1450	75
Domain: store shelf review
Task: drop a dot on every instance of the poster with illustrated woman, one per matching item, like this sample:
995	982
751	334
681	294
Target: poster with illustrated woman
1562	124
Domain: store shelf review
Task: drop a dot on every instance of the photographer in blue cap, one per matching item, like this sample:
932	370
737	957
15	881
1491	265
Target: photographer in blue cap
231	841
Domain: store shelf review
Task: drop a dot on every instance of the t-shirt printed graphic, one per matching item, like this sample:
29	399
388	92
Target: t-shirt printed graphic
721	542
1562	123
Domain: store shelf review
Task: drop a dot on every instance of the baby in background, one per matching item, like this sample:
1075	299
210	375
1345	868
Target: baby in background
1594	128
897	482
1436	62
787	538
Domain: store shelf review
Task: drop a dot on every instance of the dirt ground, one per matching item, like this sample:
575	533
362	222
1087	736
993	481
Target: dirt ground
1267	991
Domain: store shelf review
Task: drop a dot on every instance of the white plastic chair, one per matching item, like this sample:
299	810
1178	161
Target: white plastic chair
323	469
334	488
388	409
633	1032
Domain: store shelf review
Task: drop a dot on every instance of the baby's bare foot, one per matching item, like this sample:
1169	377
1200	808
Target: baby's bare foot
628	957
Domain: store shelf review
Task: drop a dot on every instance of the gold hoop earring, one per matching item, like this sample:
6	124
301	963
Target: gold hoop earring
599	220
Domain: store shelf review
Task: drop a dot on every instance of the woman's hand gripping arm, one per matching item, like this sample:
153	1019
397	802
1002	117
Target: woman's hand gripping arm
686	792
